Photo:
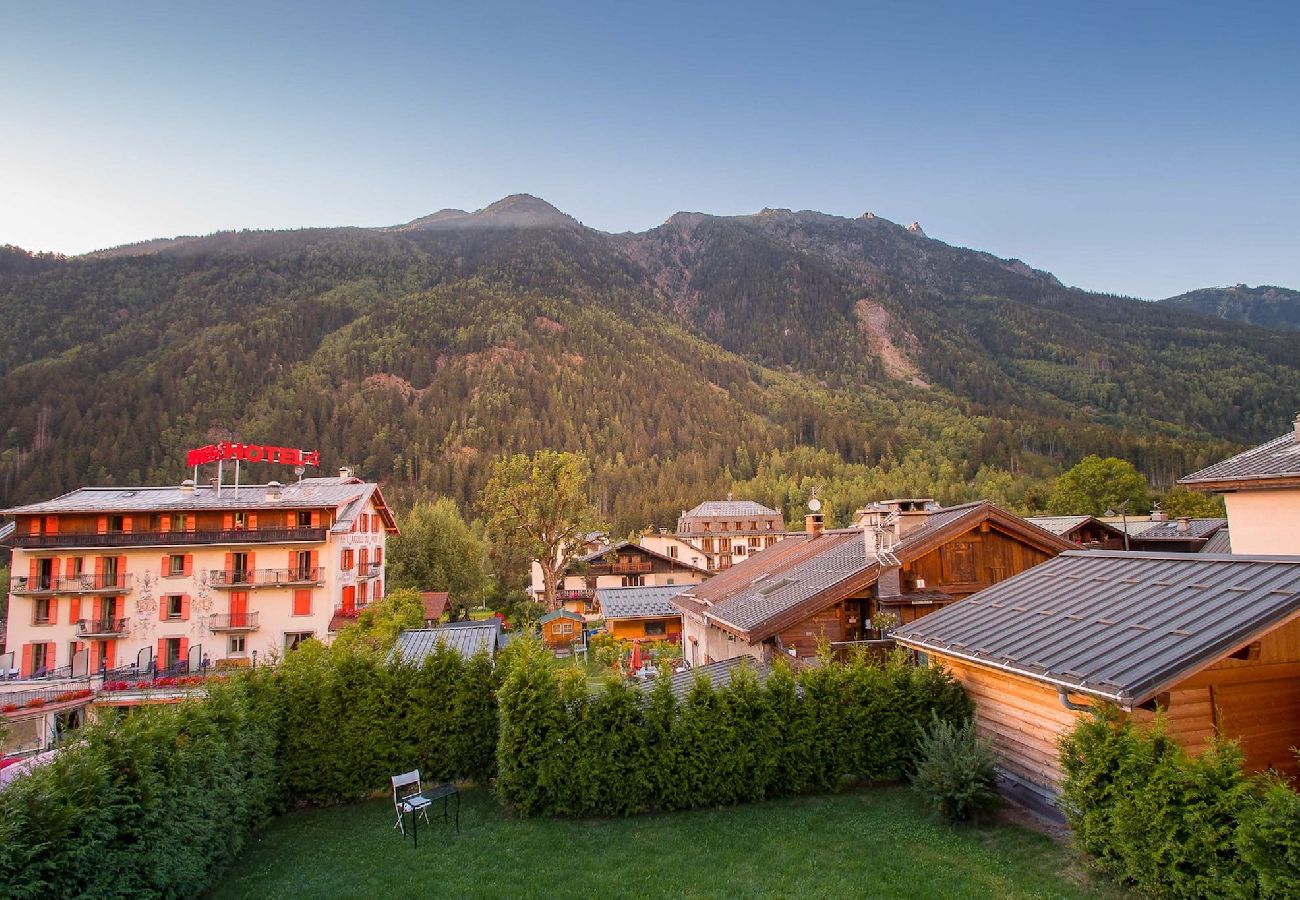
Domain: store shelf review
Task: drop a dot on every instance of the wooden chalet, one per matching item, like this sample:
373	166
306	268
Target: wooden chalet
562	628
641	613
828	585
1214	640
626	564
1088	532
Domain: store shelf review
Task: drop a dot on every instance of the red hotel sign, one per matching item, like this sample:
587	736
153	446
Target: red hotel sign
289	456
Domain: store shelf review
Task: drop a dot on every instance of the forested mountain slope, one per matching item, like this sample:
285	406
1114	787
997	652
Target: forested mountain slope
1265	306
778	351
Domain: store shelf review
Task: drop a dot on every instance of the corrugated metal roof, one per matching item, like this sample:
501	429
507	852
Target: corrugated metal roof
729	508
1221	542
7	529
1278	458
466	638
638	602
1121	626
719	674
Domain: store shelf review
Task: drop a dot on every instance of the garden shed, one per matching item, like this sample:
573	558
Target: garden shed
1214	640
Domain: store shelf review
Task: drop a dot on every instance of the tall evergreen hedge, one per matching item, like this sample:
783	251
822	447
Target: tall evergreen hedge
565	750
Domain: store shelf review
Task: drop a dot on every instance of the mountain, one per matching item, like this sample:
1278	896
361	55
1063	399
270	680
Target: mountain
766	354
1266	306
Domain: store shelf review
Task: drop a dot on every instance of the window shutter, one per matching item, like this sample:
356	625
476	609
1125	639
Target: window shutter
33	571
315	559
74	610
126	524
293	560
379	555
164	523
51	524
97	605
110	654
51	655
228	521
191	522
166	566
252	567
252	521
349	598
163	602
187	565
54	610
121	572
160	660
302	602
185	607
101	526
26	669
230	566
184	655
315	518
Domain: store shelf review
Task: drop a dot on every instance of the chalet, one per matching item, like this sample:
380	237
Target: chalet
729	531
1261	489
1212	640
1182	535
1088	532
623	565
635	613
905	558
562	628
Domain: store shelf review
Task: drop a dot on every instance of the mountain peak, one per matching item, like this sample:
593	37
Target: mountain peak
515	211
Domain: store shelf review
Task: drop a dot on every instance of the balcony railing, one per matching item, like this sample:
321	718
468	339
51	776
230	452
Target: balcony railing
107	627
635	567
578	594
370	570
245	621
103	583
265	578
68	539
25	585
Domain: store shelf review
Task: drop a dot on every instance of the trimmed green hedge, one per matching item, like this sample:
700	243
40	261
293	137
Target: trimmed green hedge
565	750
1177	825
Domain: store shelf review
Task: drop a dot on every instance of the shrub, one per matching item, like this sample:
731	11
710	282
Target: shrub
954	772
1268	840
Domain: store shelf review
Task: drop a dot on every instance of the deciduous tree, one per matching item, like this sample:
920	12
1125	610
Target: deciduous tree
1095	485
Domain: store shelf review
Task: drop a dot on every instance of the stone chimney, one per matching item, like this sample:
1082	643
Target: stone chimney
813	523
1184	524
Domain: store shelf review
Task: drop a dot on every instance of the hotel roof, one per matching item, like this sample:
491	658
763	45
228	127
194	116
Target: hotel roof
729	509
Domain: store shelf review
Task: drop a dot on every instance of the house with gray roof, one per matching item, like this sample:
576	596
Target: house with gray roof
1086	531
1213	640
637	613
1261	489
842	586
466	638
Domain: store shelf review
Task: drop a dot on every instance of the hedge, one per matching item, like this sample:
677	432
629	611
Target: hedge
1174	824
566	750
157	802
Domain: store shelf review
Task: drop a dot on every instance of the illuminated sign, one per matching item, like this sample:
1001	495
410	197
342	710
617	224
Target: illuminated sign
288	456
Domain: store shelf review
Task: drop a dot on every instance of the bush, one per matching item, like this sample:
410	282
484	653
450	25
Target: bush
565	750
1173	824
955	771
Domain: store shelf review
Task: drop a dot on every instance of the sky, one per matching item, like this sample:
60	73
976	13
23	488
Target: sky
1138	148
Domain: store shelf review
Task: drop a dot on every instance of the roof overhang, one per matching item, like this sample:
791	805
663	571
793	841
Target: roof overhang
1244	483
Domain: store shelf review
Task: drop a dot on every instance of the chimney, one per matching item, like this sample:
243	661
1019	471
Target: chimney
273	490
1184	524
812	523
1297	427
344	473
1159	515
187	486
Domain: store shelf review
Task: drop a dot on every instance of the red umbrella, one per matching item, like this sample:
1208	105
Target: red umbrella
636	656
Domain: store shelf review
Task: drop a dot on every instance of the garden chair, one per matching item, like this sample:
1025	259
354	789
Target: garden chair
408	797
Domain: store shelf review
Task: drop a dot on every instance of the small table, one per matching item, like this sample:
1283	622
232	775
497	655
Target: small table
442	792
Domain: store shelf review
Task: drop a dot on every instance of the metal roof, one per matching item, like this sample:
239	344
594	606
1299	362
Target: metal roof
752	594
560	614
1169	531
719	674
1221	542
466	638
1278	458
1059	524
639	602
1120	626
729	508
7	529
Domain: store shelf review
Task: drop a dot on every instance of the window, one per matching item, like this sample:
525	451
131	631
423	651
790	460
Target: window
42	658
171	653
302	566
739	550
176	523
176	564
375	523
41	612
175	606
117	523
241	521
294	638
564	628
672	551
237	644
655	628
75	567
302	602
633	580
672	581
304	518
345	561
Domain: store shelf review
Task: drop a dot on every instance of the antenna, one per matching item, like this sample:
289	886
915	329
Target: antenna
299	470
879	539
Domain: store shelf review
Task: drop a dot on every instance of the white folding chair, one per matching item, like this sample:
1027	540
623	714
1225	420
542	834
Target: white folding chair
406	800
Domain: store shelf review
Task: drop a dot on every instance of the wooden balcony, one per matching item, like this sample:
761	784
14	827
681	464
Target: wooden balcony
251	579
246	621
80	540
632	567
101	628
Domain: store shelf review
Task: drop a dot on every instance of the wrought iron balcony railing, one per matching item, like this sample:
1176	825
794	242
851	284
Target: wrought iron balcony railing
103	627
265	578
77	539
245	621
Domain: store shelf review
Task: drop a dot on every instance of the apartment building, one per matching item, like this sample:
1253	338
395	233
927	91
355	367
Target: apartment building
176	578
730	531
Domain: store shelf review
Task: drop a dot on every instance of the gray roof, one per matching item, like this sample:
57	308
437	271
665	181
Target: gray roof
730	509
7	529
638	602
1120	626
1221	542
1059	524
1168	531
754	593
719	674
1279	458
310	493
466	638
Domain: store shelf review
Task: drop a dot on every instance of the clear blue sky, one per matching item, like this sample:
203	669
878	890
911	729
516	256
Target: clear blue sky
1141	148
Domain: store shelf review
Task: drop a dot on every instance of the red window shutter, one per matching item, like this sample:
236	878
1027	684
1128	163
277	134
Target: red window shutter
187	565
101	526
228	521
126	524
51	655
163	602
99	571
363	557
55	566
164	523
191	522
349	599
74	610
252	565
184	650
161	659
121	572
51	524
379	590
97	605
315	559
302	602
54	610
110	654
185	607
379	555
26	669
230	566
252	521
293	560
33	571
315	518
166	566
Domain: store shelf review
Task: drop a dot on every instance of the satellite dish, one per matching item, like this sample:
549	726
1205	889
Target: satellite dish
815	505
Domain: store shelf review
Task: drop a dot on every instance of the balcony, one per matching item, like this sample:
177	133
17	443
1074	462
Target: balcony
579	594
26	586
632	567
78	540
101	628
304	576
246	621
369	570
103	583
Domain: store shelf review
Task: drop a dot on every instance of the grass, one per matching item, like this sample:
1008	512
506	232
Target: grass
879	843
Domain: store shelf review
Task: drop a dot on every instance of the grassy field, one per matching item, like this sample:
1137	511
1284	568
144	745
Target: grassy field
878	843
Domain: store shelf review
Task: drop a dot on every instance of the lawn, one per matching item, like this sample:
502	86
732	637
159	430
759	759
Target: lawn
878	843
